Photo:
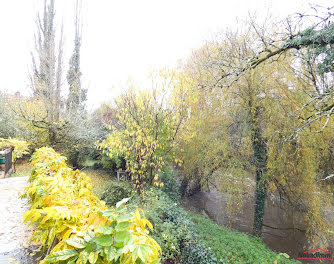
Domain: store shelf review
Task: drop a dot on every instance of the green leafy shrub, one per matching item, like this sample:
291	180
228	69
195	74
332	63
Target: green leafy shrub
116	192
197	252
171	183
109	164
174	230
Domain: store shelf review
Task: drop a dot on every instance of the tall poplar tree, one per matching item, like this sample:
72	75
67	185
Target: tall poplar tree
46	79
77	95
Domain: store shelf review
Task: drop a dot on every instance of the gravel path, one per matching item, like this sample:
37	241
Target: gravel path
14	234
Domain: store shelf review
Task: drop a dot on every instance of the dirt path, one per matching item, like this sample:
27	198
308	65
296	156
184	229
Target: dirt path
14	234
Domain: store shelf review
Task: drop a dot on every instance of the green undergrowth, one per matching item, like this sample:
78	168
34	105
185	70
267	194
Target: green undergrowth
232	246
186	237
173	229
101	179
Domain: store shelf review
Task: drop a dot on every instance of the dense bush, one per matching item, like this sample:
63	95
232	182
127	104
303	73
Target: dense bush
117	191
75	226
109	163
171	183
174	230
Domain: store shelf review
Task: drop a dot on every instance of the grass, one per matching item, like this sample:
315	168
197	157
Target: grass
89	163
100	180
23	169
233	246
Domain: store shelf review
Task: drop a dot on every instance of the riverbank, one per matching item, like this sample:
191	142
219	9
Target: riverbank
187	237
283	231
231	246
175	227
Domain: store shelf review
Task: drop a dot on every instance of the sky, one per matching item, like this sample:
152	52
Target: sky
124	39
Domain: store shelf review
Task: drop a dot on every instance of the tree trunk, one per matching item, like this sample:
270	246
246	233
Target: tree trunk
184	186
260	198
260	161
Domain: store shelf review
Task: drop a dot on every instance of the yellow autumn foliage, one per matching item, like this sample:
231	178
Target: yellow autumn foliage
75	226
21	147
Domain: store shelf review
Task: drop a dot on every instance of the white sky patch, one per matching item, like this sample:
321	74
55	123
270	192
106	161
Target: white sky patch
123	39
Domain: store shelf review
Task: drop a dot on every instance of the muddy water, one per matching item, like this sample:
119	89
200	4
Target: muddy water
283	230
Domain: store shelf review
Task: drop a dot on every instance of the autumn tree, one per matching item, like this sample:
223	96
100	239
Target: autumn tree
310	37
53	119
244	96
145	131
256	109
46	79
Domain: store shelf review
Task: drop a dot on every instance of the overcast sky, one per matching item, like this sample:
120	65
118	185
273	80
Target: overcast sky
124	38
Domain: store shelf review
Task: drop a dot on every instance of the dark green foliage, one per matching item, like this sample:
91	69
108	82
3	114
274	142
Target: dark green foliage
197	252
318	42
109	164
232	246
173	230
171	183
76	144
76	155
189	238
116	192
79	137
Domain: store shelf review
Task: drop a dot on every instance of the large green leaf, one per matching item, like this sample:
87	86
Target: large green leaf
123	225
106	230
104	240
124	217
61	255
143	252
122	238
121	210
91	246
76	242
107	213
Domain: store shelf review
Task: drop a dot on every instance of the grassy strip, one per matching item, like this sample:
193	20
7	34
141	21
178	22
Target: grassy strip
233	246
100	179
